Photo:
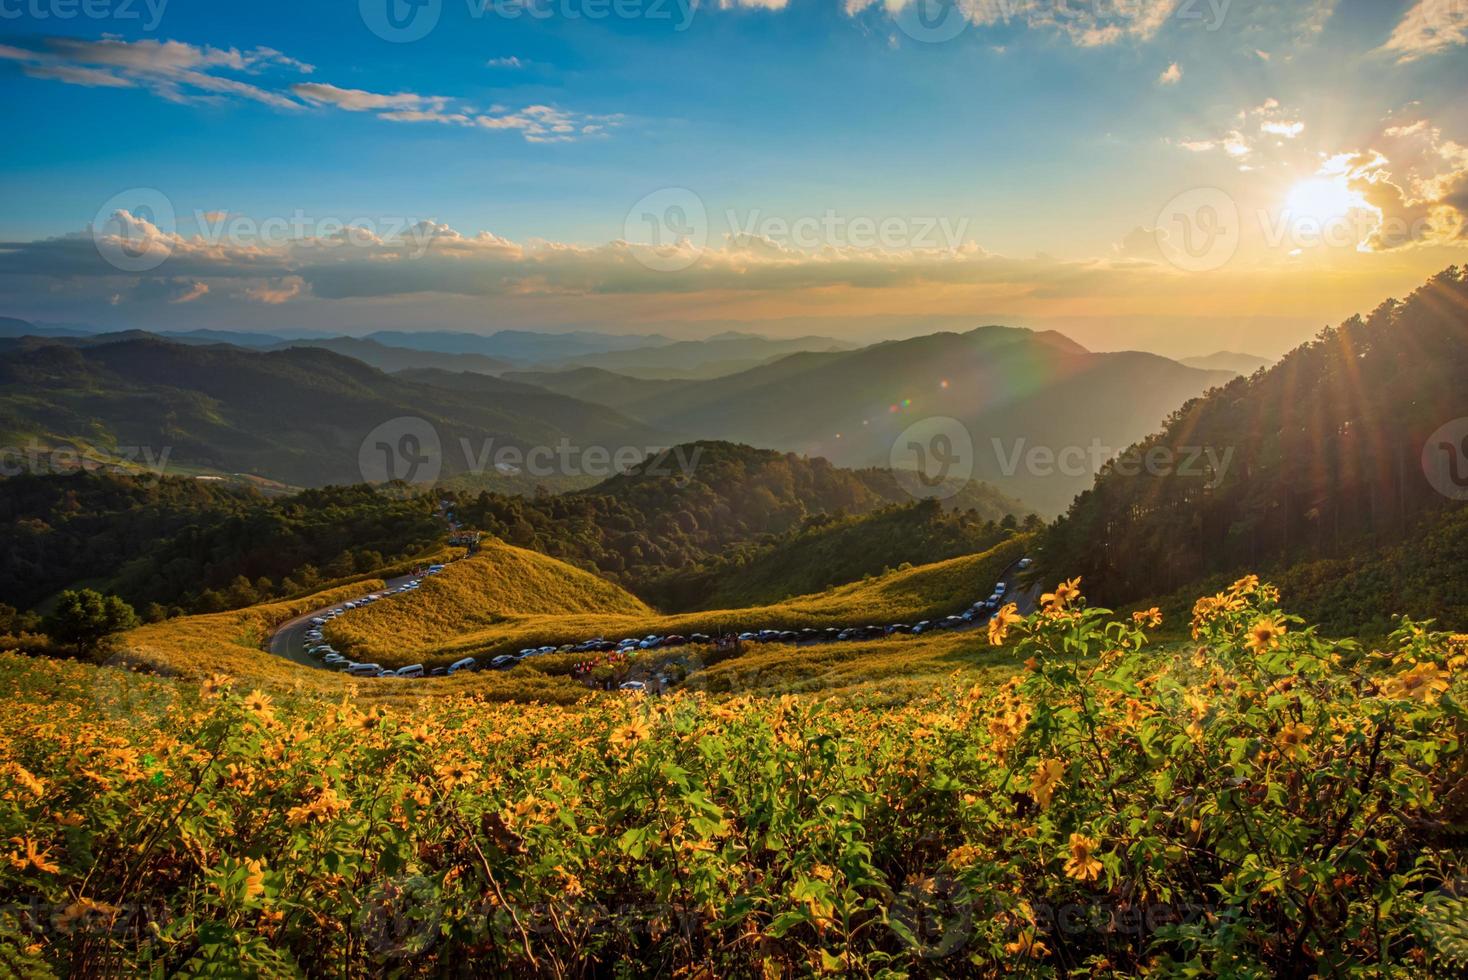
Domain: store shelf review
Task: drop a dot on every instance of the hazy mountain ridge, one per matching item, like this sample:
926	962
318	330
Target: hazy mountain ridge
298	415
1028	390
1226	360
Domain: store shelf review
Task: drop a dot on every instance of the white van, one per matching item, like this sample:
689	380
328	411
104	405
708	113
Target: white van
466	664
364	670
413	670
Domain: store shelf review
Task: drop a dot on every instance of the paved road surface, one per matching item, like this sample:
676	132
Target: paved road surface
289	640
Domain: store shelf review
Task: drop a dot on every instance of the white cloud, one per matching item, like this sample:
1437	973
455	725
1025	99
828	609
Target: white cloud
1172	75
1430	27
510	62
356	100
172	70
1289	130
189	73
1087	25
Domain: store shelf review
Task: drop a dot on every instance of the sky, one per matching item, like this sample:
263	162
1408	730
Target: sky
1174	175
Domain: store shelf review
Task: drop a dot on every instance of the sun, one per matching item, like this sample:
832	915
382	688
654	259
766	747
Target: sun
1324	199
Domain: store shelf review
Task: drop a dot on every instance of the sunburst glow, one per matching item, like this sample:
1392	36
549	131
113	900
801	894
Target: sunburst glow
1324	199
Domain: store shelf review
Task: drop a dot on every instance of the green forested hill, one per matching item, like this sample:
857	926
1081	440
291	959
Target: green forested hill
196	545
298	415
829	550
1326	459
646	525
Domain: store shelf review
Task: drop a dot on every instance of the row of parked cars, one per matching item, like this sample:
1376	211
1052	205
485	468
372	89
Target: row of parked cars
317	646
980	612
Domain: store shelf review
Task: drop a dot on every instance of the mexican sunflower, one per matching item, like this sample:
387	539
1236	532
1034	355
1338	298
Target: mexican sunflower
1002	621
1046	780
1065	593
34	856
1082	864
1264	634
630	734
1423	682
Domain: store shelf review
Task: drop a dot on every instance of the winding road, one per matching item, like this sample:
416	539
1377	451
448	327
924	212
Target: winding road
289	639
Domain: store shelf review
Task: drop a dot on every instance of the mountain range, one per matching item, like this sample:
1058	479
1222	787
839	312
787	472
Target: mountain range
1040	411
298	415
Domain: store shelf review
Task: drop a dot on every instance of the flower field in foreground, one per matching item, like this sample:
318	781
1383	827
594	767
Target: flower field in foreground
1265	803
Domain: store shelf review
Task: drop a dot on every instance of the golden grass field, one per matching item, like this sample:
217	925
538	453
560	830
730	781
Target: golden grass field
492	604
505	598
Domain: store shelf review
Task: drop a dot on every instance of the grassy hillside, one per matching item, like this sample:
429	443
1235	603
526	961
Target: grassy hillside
501	583
298	415
400	635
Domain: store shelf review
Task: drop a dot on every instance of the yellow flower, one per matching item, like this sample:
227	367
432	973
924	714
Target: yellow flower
1264	634
258	703
214	685
84	909
1424	683
455	774
254	878
1291	738
1151	618
1082	864
34	856
1054	602
28	780
1002	621
630	734
1046	780
1026	944
1245	586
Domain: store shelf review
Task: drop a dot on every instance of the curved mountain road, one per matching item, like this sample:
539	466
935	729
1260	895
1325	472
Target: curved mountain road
289	639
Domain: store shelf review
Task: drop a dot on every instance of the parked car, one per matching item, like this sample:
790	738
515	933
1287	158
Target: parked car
364	670
412	670
1025	563
466	663
503	662
634	687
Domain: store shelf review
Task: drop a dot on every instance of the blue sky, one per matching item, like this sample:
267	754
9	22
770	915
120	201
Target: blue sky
1052	135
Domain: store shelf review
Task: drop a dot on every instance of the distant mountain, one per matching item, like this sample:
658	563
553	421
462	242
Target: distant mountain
524	347
298	415
239	338
1022	396
695	359
392	359
1224	360
594	384
13	327
1341	449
